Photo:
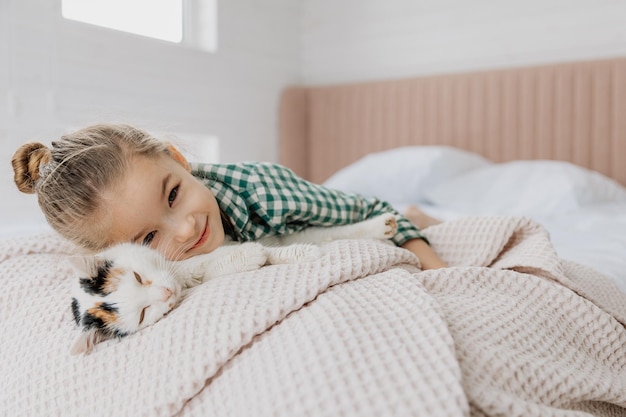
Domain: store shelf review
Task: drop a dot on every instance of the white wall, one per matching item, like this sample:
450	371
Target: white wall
57	74
350	40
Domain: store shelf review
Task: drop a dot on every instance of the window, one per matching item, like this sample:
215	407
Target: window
192	22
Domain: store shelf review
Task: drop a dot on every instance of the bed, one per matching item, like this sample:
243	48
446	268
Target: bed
556	132
524	165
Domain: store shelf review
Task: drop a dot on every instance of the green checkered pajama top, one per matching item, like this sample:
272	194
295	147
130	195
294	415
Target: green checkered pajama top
263	199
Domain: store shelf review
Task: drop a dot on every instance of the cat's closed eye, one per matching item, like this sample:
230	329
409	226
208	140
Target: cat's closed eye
143	313
138	278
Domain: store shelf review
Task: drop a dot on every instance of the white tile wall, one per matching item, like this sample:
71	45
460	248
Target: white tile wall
359	40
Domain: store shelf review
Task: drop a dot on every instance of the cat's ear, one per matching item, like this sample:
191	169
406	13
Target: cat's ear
85	264
87	340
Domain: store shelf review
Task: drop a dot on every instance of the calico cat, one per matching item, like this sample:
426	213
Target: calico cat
128	286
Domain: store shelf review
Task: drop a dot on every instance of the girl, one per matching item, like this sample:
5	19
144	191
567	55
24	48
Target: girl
110	183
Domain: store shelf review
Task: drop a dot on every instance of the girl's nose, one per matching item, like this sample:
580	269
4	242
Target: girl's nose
185	229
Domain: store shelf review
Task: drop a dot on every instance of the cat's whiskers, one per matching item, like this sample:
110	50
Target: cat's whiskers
169	265
163	248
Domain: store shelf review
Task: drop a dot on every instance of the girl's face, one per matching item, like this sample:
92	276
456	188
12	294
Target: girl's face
161	205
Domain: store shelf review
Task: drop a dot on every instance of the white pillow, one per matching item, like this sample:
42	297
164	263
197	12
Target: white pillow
530	188
401	175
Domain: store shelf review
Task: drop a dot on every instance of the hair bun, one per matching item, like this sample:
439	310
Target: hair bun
26	162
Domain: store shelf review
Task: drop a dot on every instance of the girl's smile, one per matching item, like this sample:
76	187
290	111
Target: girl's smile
204	236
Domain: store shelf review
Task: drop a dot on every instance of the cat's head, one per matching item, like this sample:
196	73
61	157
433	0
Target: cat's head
120	291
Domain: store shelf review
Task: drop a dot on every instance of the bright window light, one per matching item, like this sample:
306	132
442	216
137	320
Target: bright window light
159	19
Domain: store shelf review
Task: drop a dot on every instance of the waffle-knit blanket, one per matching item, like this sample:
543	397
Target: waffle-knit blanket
508	330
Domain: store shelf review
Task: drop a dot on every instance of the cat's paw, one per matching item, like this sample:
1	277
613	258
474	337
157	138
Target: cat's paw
250	257
384	226
296	253
231	259
192	280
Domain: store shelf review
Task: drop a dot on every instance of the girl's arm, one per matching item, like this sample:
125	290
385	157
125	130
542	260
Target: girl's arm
264	199
335	207
428	258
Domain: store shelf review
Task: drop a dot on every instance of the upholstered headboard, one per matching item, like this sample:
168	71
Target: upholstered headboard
573	112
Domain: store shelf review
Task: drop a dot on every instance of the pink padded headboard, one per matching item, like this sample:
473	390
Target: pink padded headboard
574	112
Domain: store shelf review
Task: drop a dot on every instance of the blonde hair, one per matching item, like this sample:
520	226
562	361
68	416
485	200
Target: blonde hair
70	177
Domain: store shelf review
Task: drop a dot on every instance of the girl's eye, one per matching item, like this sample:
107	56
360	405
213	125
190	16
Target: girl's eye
172	196
138	278
142	314
148	239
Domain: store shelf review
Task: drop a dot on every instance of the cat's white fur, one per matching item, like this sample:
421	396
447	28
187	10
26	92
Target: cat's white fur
141	279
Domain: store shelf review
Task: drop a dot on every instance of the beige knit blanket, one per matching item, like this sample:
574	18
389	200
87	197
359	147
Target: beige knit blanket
508	330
